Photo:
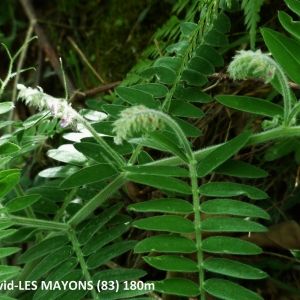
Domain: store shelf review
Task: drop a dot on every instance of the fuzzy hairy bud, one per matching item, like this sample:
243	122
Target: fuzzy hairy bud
135	119
252	64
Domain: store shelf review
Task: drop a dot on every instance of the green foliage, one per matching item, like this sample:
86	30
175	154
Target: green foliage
77	232
251	10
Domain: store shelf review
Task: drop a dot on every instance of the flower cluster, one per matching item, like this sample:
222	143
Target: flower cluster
58	107
135	119
252	64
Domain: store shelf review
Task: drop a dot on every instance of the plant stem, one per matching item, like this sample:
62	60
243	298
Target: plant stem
111	152
36	223
82	263
65	204
83	213
193	175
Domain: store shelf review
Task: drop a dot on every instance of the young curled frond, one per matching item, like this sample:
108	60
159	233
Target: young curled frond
252	64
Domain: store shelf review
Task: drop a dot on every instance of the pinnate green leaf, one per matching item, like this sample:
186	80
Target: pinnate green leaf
161	182
136	97
166	243
89	175
57	172
233	207
228	290
96	223
191	94
210	54
252	105
158	170
172	263
229	245
21	202
5	107
177	286
44	247
105	254
201	65
240	169
233	268
193	77
174	224
285	50
222	23
229	189
288	24
227	224
155	89
8	148
51	261
179	48
184	109
216	38
187	28
170	205
8	272
164	75
8	251
222	153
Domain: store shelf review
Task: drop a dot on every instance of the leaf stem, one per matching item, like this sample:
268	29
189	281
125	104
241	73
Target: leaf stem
94	203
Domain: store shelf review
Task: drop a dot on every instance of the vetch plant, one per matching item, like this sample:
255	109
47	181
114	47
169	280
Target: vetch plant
77	218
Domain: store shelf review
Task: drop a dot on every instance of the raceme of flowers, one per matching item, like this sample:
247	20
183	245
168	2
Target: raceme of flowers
59	108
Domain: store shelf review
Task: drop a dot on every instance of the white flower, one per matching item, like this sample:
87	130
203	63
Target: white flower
58	107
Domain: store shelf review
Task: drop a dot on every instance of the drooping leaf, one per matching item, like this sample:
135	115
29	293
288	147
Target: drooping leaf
44	247
172	263
229	245
252	105
104	238
105	254
166	243
227	224
49	262
233	268
174	224
177	286
228	290
222	153
168	144
96	223
229	189
176	206
8	272
233	207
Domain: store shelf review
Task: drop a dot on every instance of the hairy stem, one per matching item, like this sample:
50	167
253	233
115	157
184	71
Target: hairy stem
94	203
